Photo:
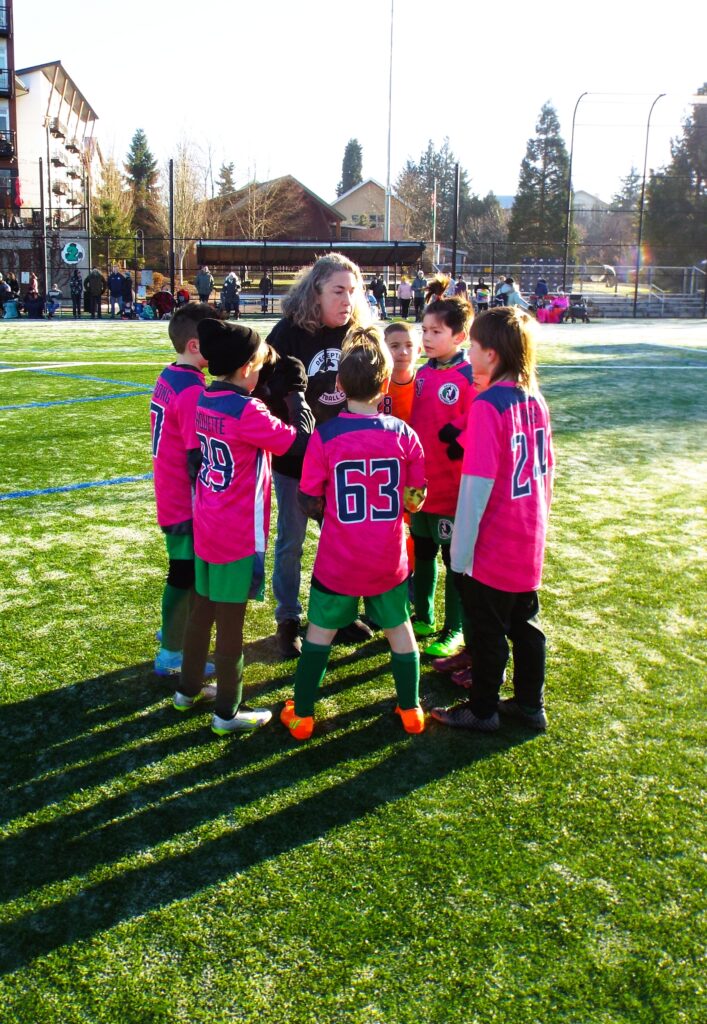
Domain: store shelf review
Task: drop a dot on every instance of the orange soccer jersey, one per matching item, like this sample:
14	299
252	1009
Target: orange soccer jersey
398	401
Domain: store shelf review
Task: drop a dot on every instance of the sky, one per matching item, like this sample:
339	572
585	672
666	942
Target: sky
280	87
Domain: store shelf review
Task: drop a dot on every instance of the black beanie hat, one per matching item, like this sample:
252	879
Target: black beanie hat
226	346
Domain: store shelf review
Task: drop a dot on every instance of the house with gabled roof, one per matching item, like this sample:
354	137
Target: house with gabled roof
282	208
363	209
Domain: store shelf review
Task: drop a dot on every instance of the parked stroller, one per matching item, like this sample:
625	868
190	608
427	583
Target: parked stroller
577	310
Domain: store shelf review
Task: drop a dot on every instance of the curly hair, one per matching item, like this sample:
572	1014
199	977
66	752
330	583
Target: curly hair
301	305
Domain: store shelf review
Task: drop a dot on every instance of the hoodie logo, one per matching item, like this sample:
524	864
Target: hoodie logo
327	359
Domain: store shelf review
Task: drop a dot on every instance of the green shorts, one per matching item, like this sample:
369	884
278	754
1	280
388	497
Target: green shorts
179	545
428	524
334	611
233	582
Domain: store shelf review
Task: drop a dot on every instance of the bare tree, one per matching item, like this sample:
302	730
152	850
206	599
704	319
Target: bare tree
189	201
259	210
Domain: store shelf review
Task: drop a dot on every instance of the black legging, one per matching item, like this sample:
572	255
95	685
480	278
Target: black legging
229	619
76	304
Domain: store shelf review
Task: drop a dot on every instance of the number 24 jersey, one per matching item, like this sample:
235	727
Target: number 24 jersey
361	466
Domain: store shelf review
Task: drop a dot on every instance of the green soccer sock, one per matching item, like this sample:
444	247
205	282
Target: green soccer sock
229	685
425	583
452	604
175	607
311	669
406	673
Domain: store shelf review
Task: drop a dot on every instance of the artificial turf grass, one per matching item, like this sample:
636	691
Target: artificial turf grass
547	873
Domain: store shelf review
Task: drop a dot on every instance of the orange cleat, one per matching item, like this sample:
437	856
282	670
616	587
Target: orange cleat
413	719
301	728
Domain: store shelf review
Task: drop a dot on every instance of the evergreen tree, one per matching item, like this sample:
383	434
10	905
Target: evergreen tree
416	187
143	179
540	205
351	167
626	200
111	212
676	197
224	183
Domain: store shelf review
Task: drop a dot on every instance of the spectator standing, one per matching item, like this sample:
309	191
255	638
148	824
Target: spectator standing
95	285
5	292
265	287
204	284
76	292
460	288
482	294
14	285
419	287
541	288
380	291
128	296
115	291
230	295
405	295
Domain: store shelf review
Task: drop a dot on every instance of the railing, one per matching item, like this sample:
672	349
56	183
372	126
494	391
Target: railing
59	158
57	128
7	145
73	145
28	219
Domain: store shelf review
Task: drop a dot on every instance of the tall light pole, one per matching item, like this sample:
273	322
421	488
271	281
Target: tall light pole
390	126
568	215
641	208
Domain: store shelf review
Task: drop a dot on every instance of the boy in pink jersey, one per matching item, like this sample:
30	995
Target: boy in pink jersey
362	469
500	525
236	434
172	411
444	389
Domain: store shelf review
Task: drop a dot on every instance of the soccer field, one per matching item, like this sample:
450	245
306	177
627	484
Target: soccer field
152	874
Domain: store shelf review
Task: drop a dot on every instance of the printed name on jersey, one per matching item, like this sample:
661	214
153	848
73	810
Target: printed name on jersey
445	529
327	359
448	393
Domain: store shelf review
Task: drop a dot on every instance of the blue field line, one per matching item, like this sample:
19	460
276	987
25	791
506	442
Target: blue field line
75	487
72	401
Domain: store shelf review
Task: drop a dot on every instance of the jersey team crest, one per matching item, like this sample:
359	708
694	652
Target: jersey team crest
449	393
445	528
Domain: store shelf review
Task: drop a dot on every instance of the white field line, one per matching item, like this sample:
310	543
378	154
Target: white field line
63	366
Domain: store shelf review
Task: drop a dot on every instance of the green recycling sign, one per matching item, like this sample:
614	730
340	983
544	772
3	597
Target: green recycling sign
73	253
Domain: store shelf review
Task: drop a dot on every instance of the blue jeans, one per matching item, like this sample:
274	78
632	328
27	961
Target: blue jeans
291	531
381	304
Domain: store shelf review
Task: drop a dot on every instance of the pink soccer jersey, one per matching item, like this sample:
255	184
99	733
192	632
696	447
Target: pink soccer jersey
232	507
442	396
172	412
508	440
361	465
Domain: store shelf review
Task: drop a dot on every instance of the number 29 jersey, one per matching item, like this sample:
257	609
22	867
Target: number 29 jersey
361	466
236	434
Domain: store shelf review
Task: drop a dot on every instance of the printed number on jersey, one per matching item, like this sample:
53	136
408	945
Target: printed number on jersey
157	417
522	485
216	470
355	501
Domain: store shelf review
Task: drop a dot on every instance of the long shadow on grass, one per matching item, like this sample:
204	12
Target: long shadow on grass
227	779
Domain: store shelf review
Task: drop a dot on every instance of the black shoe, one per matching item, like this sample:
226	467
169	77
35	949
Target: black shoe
289	642
356	632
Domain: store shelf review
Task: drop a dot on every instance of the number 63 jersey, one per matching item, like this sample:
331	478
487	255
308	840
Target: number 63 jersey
361	466
508	440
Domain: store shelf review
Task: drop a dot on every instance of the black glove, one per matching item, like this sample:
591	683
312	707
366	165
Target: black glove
455	452
448	435
293	375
